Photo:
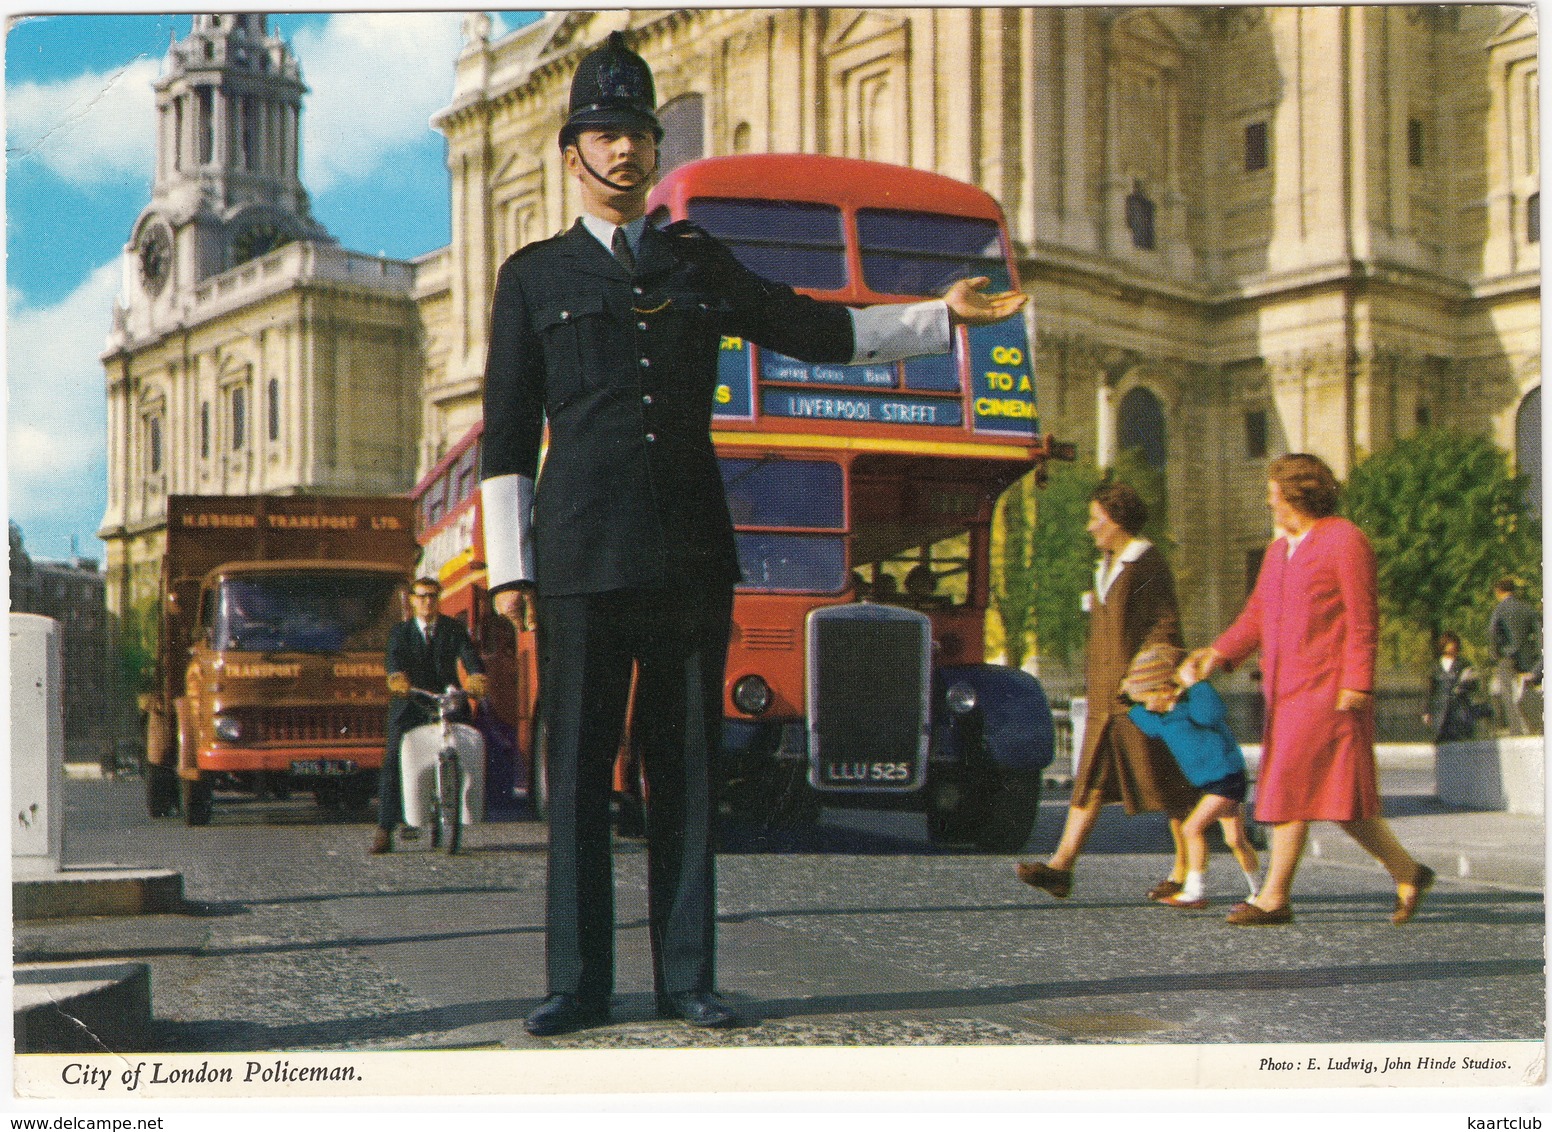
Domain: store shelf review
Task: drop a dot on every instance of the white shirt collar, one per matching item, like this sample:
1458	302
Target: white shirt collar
603	231
1131	552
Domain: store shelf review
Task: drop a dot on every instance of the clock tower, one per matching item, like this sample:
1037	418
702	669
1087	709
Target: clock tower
250	354
227	187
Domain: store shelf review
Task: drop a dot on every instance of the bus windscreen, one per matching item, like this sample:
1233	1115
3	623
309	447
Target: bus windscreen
801	245
922	253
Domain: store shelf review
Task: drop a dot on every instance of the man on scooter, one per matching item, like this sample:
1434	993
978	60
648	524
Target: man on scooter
424	651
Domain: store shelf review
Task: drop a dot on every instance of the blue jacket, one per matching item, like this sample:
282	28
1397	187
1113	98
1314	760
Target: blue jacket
1196	731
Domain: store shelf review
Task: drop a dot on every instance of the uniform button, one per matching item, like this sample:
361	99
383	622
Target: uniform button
564	315
651	436
637	290
646	398
641	326
646	362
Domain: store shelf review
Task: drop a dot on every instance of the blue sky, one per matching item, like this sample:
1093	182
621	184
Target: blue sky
80	149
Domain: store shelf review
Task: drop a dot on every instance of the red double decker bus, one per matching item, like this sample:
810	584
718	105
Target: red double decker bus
862	499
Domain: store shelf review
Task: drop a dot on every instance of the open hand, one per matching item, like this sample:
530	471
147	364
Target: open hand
971	304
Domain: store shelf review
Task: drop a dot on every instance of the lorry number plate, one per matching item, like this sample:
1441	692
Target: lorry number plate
324	767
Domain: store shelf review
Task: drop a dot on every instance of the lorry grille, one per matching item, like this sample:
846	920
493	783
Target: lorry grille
313	724
868	685
766	639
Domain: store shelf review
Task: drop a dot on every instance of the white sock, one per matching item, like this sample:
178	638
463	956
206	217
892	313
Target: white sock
1195	883
1253	881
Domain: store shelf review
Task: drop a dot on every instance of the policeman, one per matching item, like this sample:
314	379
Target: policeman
610	332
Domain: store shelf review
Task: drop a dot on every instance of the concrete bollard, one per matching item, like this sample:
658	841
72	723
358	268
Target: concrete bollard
1493	774
37	741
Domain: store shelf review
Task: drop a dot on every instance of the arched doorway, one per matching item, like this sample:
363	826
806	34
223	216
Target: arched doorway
1527	446
684	130
1140	425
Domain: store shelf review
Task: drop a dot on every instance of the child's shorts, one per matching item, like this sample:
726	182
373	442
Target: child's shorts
1232	787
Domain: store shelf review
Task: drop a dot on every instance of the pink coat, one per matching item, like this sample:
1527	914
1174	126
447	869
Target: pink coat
1315	618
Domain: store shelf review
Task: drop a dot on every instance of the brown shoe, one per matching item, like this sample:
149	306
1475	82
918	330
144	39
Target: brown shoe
382	842
1253	915
1165	889
1058	882
1422	881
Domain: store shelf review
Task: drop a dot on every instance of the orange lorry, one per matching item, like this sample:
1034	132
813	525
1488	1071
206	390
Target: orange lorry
275	612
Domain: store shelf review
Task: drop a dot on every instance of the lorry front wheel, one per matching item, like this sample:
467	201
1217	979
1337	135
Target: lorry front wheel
196	796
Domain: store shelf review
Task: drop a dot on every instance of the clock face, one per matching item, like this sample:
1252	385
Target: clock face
156	259
255	239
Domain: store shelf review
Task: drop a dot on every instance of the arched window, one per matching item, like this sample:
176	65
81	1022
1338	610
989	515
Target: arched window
239	418
741	137
1533	218
204	430
1139	218
1527	447
684	130
273	409
154	442
1141	426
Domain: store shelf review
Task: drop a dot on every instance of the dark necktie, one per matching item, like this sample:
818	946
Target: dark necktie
622	251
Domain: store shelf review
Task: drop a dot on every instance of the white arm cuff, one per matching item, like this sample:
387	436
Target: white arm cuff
508	505
891	331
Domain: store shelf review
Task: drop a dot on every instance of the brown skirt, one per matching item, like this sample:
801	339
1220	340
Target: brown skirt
1126	766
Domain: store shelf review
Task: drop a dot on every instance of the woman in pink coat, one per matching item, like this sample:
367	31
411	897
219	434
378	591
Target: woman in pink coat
1315	618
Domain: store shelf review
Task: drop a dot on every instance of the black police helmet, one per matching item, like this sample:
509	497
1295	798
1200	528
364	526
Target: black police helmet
612	89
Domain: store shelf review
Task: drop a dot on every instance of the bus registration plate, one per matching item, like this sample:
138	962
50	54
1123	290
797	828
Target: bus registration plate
323	768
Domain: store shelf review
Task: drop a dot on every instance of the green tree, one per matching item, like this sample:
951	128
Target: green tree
1062	559
1447	518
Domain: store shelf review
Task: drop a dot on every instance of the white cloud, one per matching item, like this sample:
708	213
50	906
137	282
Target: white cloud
89	128
376	79
56	419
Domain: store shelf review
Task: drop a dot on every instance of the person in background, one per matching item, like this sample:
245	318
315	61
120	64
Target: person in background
1452	693
1314	617
424	651
1188	714
1514	638
1132	605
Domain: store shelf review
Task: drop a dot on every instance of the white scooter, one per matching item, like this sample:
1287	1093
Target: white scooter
442	769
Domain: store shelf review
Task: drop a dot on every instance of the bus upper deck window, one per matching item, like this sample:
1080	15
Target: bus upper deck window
801	245
921	253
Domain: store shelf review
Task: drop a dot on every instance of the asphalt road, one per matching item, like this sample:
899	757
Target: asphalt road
853	932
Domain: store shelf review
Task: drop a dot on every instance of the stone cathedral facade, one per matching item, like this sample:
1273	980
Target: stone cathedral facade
1245	231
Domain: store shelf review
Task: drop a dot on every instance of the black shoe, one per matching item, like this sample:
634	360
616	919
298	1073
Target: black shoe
382	842
698	1008
563	1013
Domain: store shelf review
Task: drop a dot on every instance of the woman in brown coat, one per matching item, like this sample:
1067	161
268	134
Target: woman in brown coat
1133	604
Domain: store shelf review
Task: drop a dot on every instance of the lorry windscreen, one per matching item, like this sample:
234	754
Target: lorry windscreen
305	611
806	496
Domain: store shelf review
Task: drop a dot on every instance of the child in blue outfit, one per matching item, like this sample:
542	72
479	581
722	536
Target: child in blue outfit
1170	704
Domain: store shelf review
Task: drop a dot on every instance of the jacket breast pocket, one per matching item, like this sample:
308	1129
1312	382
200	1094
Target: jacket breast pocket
566	332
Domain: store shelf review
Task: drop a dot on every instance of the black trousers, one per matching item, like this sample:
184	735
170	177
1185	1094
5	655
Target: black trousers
588	646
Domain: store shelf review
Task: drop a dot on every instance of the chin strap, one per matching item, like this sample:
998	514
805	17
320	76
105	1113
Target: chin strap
597	176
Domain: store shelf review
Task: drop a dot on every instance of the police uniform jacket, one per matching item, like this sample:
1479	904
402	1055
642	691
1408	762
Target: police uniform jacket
624	368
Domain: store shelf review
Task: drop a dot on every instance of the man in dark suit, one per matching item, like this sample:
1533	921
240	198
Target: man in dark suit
1514	636
610	333
423	652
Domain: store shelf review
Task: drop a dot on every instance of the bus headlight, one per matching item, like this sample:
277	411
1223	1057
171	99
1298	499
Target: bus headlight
752	695
229	728
960	698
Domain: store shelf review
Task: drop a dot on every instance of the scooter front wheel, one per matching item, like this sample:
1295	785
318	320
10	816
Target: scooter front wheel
448	828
